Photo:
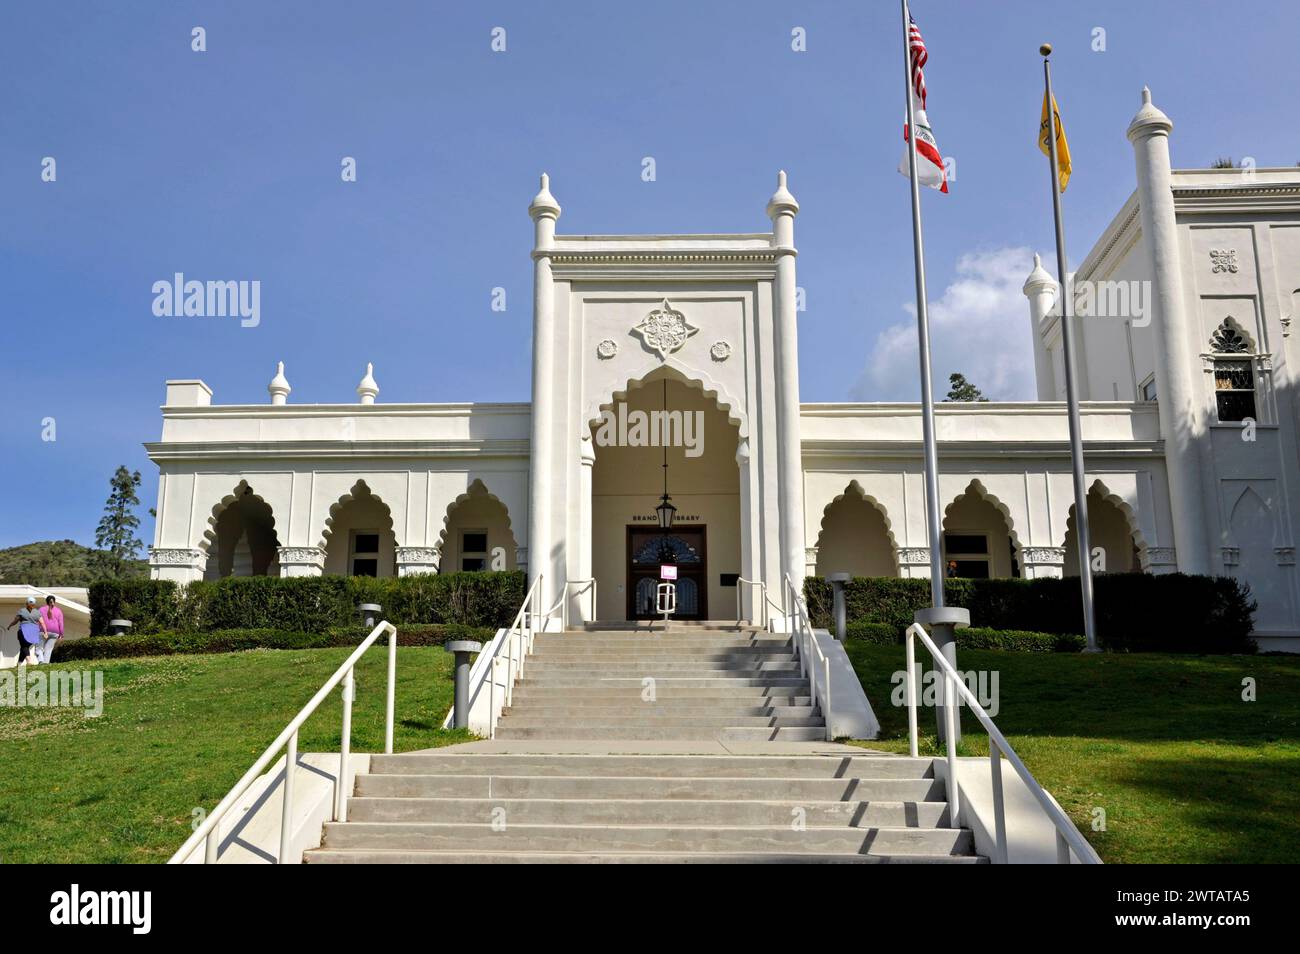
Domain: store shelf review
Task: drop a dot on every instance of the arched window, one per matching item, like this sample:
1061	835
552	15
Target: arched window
1234	373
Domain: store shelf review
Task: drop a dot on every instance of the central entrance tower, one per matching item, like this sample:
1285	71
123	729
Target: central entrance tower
693	324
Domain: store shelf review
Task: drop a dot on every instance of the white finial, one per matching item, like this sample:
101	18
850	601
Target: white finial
782	201
368	389
1146	95
1038	277
279	387
544	203
1149	119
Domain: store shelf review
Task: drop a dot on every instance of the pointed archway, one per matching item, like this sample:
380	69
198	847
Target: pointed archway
240	538
476	533
979	537
358	536
856	536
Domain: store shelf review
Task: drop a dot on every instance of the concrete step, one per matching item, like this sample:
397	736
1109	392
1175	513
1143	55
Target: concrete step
551	642
325	857
675	695
579	708
633	719
713	681
426	836
674	625
649	733
649	812
768	767
634	668
638	654
650	787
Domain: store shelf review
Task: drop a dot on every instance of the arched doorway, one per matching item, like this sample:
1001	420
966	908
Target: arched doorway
477	534
855	537
977	540
627	484
1109	529
359	539
244	540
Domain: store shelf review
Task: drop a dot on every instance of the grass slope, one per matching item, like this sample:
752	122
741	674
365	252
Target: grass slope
176	733
1185	770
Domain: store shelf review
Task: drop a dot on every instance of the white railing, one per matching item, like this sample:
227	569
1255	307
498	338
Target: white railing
562	604
761	607
805	645
1067	836
512	646
209	831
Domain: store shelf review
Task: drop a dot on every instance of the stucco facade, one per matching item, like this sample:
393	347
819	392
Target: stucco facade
704	326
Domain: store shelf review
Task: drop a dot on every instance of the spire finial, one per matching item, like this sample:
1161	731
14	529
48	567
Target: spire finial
544	203
368	389
782	201
1146	95
279	387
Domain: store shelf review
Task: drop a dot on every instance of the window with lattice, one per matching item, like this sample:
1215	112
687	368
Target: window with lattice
1234	377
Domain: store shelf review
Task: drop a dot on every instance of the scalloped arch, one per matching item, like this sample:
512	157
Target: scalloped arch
1130	515
359	489
855	488
242	489
476	488
695	379
981	491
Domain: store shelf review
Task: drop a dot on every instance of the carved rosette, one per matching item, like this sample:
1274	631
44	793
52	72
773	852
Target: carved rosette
1223	260
665	330
720	351
607	349
1043	556
178	556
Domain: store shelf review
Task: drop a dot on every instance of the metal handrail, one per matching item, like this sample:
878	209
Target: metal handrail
1067	836
288	739
516	641
801	630
562	604
767	601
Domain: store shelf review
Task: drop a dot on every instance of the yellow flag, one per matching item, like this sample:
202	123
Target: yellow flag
1062	147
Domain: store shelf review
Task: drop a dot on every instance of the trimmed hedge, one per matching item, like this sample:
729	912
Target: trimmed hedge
974	637
1136	612
236	640
305	604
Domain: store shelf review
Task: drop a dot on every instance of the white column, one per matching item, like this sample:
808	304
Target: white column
1182	418
750	596
781	209
544	211
581	608
1040	289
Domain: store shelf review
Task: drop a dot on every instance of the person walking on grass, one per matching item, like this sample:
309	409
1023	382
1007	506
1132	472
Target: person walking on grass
30	627
53	617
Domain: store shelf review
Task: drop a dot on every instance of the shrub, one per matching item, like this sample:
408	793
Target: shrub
305	604
1018	640
236	640
879	634
1136	612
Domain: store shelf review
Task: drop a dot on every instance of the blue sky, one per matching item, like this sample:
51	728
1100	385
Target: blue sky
225	165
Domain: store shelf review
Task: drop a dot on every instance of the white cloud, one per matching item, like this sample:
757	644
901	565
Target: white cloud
978	326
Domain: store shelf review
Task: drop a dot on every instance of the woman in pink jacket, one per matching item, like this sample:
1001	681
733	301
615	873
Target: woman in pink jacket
53	617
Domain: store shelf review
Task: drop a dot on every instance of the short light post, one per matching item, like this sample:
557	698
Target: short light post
462	649
119	627
837	581
370	613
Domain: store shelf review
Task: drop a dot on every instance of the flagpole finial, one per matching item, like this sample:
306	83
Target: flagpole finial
1045	49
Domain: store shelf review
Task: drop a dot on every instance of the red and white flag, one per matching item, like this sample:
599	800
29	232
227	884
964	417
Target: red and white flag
930	170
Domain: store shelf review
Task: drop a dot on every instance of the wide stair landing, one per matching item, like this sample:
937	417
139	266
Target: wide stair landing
444	807
696	681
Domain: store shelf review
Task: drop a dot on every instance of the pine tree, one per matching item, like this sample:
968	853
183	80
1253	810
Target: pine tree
959	389
116	530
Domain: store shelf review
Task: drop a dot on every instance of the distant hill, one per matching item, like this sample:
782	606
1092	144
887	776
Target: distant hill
56	563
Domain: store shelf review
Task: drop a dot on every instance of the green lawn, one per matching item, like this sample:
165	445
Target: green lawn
176	733
1185	770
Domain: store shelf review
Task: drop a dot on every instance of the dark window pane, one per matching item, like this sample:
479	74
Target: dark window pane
473	564
965	543
972	569
474	543
1236	405
366	543
365	567
1233	376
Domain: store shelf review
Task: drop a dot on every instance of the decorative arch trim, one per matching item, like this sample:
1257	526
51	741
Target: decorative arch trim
242	489
476	488
856	490
692	378
983	492
359	489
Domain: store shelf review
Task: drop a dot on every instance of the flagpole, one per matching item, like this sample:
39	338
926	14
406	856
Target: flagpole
1064	295
942	621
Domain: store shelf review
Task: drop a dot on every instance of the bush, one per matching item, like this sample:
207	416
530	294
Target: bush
236	640
974	637
878	634
305	604
1136	612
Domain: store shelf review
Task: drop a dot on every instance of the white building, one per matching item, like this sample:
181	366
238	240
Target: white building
704	327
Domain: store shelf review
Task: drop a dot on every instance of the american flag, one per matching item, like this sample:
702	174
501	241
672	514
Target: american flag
919	56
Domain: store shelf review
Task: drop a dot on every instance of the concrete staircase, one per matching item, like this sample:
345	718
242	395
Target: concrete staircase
443	807
590	766
707	680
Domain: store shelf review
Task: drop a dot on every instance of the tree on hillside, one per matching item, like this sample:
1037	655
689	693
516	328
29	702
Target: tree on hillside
116	531
959	389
